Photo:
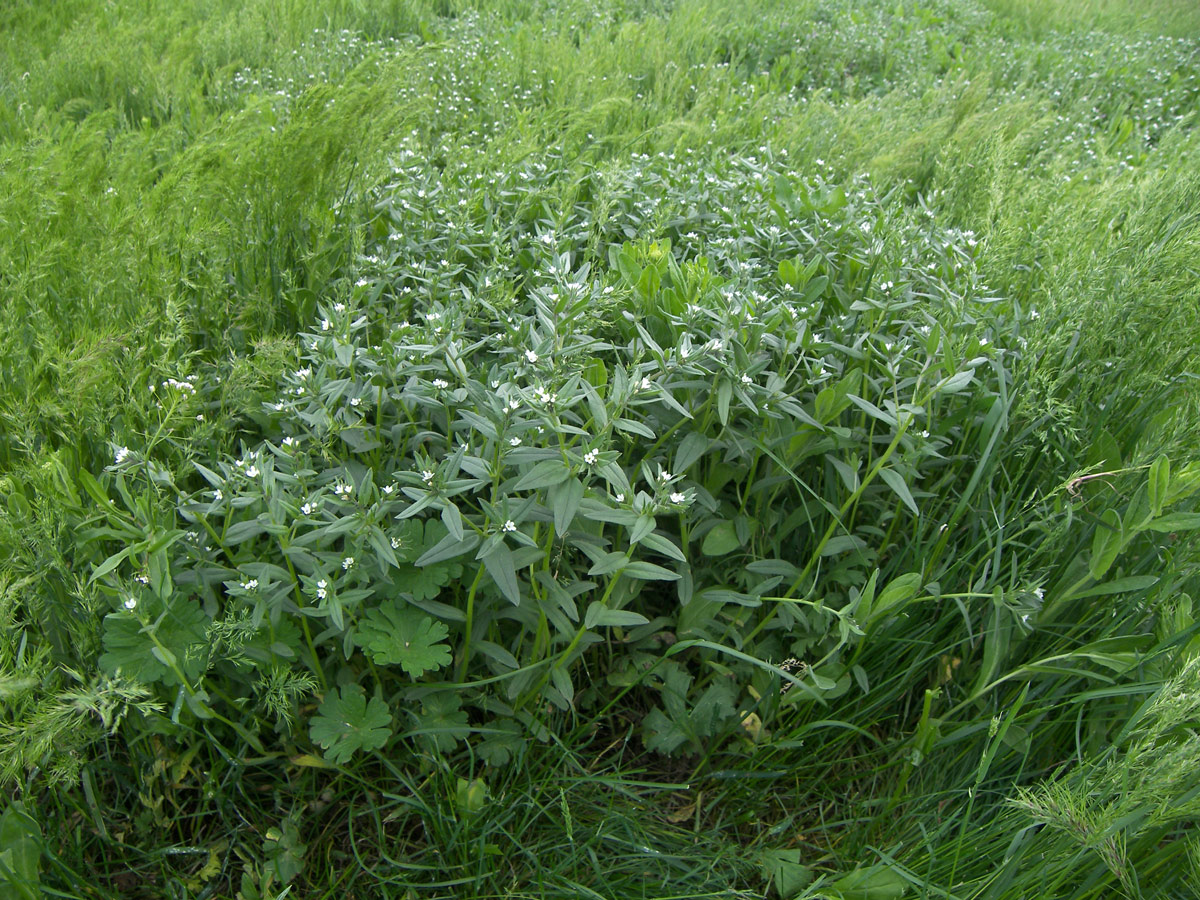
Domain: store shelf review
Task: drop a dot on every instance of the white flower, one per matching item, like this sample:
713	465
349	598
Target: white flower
307	509
130	602
644	385
746	379
217	495
122	454
313	345
427	476
356	401
200	417
388	488
495	385
677	497
395	543
510	525
252	472
439	383
251	584
591	456
343	490
289	441
545	396
514	404
321	585
620	498
324	324
141	579
531	356
516	442
1039	593
664	476
347	562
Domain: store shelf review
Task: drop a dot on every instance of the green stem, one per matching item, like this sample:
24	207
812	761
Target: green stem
470	624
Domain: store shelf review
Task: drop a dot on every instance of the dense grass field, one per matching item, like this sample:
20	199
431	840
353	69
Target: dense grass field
599	448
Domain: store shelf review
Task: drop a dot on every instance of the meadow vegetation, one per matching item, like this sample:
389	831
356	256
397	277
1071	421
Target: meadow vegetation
599	448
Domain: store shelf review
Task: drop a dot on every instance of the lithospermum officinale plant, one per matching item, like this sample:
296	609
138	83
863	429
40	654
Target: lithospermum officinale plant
480	505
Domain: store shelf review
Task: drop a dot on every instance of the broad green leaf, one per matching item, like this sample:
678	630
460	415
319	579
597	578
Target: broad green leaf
448	548
129	648
898	591
874	883
785	871
896	482
564	501
346	723
646	571
398	634
633	427
441	721
544	474
20	853
109	564
600	616
499	564
1106	544
691	449
452	519
1174	522
660	544
720	540
644	525
724	394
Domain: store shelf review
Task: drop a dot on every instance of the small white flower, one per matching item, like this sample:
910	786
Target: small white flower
343	490
1039	593
516	442
495	385
440	383
252	472
121	455
510	525
531	356
620	498
645	384
348	562
677	497
321	585
217	495
746	379
514	404
591	456
339	307
141	579
289	441
427	476
130	602
307	509
395	543
313	345
664	476
388	488
324	324
356	401
200	417
251	584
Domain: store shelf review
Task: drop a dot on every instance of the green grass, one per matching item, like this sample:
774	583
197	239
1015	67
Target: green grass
1006	188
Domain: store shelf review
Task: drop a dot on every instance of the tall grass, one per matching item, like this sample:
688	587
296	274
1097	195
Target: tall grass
186	188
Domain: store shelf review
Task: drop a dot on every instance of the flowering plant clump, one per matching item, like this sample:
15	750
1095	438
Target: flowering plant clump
492	493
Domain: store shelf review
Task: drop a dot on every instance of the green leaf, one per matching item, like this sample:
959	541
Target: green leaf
899	591
896	482
646	571
441	721
499	564
398	634
633	427
1106	544
109	564
720	540
874	883
448	548
346	723
544	474
20	853
599	615
660	544
1159	481
130	649
564	501
1174	522
784	870
691	448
